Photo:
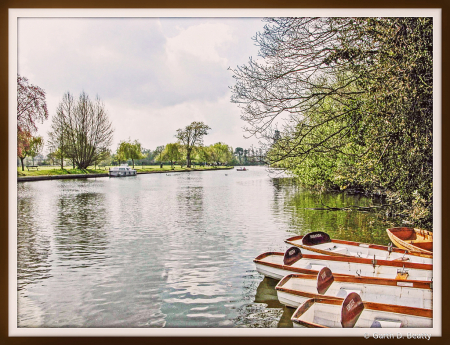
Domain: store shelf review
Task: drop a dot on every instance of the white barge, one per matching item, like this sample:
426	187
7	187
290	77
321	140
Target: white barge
122	170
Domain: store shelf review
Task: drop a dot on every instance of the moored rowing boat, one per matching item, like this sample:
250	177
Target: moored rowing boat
353	312
416	241
277	265
294	289
320	243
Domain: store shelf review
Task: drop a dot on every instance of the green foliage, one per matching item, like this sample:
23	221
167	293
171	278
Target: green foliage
129	150
358	102
172	153
192	136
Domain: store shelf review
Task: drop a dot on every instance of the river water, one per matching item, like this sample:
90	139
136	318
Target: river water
166	250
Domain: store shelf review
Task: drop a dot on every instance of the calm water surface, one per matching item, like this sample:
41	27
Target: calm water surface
162	250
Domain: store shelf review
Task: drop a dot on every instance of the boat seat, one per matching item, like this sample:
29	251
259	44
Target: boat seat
416	241
340	250
314	266
379	323
344	291
359	254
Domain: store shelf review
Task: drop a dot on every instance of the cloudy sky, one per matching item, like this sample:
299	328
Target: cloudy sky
154	75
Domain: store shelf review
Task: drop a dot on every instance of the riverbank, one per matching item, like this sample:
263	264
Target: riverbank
68	175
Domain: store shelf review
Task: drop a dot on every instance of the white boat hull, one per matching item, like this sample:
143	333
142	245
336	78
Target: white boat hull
330	316
356	249
272	266
294	290
122	171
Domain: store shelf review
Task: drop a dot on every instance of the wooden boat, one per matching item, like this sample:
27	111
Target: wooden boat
276	265
321	243
294	289
416	241
353	312
242	169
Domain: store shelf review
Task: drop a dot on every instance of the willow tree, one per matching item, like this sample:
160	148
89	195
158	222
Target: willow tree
351	98
192	136
129	150
172	153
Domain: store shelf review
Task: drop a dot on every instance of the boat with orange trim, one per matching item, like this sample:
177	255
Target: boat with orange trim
354	313
415	241
320	243
294	289
276	265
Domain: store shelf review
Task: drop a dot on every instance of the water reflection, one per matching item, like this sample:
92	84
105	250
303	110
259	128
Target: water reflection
165	250
266	293
33	246
351	225
80	229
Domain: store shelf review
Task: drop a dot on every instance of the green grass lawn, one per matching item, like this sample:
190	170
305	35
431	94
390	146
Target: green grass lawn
56	170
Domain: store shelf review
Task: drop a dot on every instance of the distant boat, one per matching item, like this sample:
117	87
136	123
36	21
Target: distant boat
294	289
276	265
416	241
321	243
354	313
122	170
242	169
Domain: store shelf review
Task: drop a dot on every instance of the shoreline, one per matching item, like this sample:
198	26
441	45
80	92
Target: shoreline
78	176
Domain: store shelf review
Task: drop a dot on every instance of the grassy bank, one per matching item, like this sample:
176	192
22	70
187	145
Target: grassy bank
54	170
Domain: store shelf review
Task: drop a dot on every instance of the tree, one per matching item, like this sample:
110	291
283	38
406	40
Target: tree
221	153
202	154
135	151
172	153
51	156
239	152
355	97
129	150
191	136
31	108
87	130
158	154
59	134
34	147
23	145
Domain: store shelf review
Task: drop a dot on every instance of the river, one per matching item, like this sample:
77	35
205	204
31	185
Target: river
166	250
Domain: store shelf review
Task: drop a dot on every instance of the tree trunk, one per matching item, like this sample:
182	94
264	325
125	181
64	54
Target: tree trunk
21	160
62	163
133	162
188	158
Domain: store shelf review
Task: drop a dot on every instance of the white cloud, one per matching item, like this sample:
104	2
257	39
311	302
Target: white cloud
200	41
154	75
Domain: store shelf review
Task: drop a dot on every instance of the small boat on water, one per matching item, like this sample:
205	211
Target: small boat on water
276	265
416	241
354	313
320	243
241	169
294	289
122	170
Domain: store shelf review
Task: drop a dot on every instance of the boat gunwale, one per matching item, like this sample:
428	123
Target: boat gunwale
303	308
352	259
412	249
416	284
350	243
383	307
